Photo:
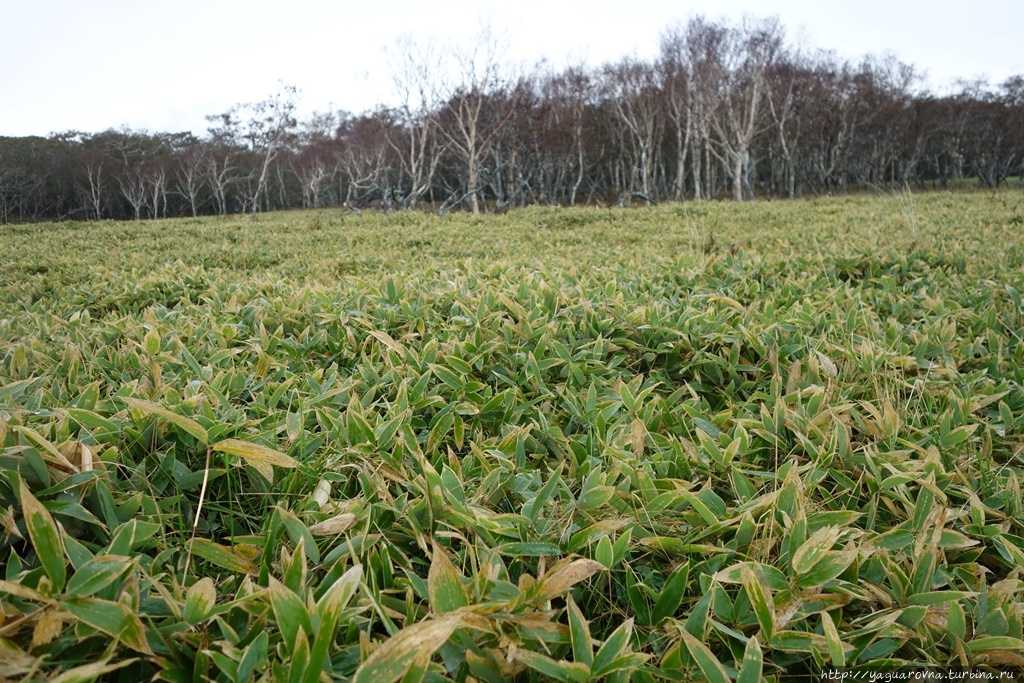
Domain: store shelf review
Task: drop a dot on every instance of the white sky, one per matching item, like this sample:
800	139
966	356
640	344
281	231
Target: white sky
72	64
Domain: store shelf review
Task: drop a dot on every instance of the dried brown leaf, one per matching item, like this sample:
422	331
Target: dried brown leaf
333	526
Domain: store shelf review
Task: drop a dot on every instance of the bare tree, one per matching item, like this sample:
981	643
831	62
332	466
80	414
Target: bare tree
675	73
266	126
131	171
745	56
412	67
366	164
635	98
476	77
314	160
96	154
188	169
578	88
705	43
726	109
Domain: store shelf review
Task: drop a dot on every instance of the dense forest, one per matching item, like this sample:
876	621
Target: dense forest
726	110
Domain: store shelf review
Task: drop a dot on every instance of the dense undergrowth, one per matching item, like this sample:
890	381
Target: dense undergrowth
692	441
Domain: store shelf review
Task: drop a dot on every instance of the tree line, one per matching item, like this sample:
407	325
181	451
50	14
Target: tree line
725	110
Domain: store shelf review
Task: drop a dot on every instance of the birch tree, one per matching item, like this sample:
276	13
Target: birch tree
266	126
745	56
635	99
675	72
474	75
412	67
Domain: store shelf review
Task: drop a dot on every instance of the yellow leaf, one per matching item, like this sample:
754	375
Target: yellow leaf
411	645
322	493
49	451
222	556
23	591
563	578
255	454
90	672
47	628
333	526
386	339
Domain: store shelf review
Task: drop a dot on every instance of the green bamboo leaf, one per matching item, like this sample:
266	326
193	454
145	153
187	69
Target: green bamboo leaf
760	600
444	583
922	508
222	556
627	398
112	618
956	623
671	595
827	568
617	642
708	664
815	548
298	531
579	634
130	535
637	597
955	540
255	454
199	601
290	613
924	570
557	670
450	378
298	664
753	662
995	643
453	485
337	597
595	497
1006	415
529	549
70	510
97	573
45	538
227	665
603	553
621	546
151	342
254	657
957	436
777	581
702	509
939	597
187	425
91	420
15	389
535	506
416	643
835	643
487	666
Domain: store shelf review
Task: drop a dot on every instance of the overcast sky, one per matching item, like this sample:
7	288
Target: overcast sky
161	66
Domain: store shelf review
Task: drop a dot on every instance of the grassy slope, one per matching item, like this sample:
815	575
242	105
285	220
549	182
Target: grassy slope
798	421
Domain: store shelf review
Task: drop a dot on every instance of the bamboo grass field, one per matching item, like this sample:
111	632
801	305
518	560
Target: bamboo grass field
699	441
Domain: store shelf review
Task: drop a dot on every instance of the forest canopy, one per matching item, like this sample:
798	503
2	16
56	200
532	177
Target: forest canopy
726	110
